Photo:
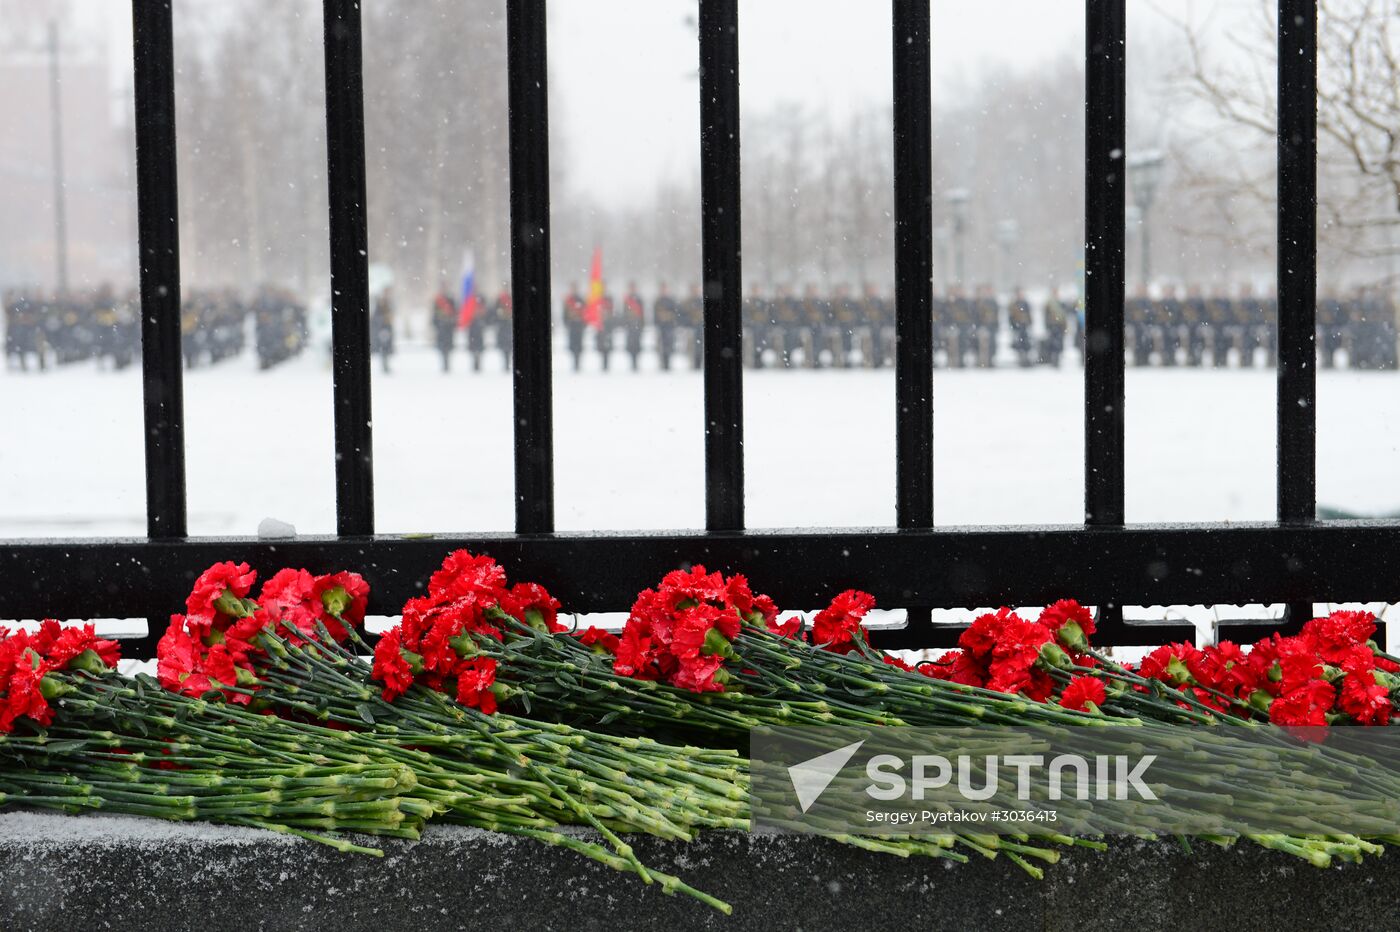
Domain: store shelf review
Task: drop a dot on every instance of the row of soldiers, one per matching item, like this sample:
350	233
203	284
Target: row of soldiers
1183	329
59	328
781	327
62	327
785	329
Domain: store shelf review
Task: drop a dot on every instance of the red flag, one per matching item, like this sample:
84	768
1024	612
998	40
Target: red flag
468	311
592	310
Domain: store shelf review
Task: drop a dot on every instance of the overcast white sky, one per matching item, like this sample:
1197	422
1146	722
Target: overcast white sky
624	85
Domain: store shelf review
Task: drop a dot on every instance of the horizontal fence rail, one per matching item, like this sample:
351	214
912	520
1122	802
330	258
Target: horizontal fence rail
916	566
1145	564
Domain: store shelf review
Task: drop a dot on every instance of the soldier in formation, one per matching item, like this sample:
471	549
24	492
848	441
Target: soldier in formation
46	329
279	327
443	316
632	321
381	328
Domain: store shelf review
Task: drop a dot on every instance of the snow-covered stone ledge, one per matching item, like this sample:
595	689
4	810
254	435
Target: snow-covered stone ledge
100	872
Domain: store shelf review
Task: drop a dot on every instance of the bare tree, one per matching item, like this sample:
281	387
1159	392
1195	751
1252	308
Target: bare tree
1358	120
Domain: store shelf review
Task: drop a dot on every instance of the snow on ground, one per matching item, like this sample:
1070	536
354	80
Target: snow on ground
629	448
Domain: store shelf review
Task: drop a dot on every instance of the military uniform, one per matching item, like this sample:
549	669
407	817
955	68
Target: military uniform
693	317
1018	318
878	315
755	328
988	325
476	327
632	320
1194	320
607	324
843	317
1169	320
381	324
1220	312
504	318
444	316
963	330
1331	320
787	323
1140	319
1052	345
574	326
1249	316
666	317
943	332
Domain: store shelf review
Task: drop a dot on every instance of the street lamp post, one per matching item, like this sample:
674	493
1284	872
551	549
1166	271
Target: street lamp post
60	207
1145	172
1008	233
943	235
957	204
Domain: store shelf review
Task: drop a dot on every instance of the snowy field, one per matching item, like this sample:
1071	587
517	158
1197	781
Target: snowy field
629	448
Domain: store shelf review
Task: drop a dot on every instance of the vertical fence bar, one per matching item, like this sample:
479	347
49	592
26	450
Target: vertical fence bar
913	276
158	232
1104	170
1297	270
529	265
720	242
345	176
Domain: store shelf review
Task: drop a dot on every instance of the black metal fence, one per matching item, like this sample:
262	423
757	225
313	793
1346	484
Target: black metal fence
915	565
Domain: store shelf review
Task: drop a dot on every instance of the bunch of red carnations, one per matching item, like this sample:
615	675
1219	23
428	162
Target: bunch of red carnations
78	736
436	644
295	651
1329	673
29	662
214	645
702	656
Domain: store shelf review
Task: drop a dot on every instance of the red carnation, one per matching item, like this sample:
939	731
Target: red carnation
22	672
980	637
463	574
1071	622
1083	690
286	605
1169	663
475	679
681	587
1015	657
1364	699
700	674
1306	705
390	666
635	657
526	601
596	637
1222	667
207	605
836	626
185	665
59	644
343	594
